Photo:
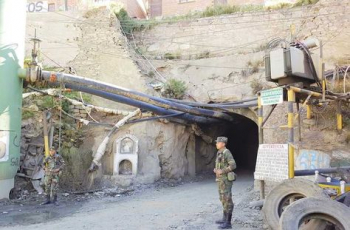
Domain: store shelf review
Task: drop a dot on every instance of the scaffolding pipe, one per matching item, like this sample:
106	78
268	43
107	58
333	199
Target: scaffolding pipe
46	134
339	117
314	94
261	140
308	112
291	101
52	77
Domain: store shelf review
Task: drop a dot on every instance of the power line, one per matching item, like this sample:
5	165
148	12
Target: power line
245	14
219	51
218	31
233	15
206	18
52	60
225	30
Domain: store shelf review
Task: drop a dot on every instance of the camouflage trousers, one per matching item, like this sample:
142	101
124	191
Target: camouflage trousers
225	193
51	184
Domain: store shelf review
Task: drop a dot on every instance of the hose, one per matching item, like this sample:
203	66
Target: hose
139	104
109	88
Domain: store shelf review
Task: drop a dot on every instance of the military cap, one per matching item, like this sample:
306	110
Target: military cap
221	139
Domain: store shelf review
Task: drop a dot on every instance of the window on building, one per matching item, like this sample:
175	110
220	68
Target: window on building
220	2
52	7
155	8
185	1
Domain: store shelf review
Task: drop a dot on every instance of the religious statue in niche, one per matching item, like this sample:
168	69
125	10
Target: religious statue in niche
127	145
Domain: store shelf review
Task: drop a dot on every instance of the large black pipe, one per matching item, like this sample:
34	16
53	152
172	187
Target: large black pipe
309	172
142	105
109	88
232	105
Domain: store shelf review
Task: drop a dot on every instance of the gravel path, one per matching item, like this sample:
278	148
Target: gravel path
193	205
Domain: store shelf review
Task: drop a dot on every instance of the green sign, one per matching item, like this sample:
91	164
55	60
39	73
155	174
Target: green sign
272	96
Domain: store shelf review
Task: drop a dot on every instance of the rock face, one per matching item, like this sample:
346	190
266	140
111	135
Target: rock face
104	56
162	150
32	145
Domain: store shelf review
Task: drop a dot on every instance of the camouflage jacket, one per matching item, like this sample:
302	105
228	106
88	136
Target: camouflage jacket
225	162
53	162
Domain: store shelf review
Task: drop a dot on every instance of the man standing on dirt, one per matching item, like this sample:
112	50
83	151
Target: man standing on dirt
53	165
224	166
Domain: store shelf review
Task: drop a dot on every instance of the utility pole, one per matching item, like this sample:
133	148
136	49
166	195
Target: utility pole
12	40
66	5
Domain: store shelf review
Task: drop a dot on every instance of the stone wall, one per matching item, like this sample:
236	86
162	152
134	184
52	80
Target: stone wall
244	33
79	112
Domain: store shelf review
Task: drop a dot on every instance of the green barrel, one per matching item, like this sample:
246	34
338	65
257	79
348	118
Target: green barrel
12	40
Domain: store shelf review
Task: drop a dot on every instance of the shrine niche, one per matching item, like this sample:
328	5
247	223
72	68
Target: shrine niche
126	155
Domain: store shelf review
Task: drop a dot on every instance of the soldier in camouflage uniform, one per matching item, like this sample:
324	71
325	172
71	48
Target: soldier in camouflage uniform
223	165
53	165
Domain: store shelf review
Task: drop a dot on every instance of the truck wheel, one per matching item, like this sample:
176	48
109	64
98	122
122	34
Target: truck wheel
326	211
284	194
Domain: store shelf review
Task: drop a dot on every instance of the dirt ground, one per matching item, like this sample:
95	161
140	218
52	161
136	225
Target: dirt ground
188	204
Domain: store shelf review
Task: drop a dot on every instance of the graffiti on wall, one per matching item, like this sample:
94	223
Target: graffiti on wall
312	159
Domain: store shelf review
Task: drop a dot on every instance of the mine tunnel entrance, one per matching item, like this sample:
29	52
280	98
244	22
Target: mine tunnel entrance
243	141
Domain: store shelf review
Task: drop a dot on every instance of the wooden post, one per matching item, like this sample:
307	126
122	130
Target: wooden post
261	141
46	135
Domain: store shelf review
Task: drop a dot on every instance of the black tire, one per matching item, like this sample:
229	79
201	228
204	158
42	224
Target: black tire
279	197
321	209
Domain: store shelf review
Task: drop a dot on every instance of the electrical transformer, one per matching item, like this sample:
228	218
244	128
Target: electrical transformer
295	63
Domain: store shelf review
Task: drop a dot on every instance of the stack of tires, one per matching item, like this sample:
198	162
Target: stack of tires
301	204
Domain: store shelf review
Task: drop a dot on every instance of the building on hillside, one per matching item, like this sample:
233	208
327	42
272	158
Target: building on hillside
135	8
42	6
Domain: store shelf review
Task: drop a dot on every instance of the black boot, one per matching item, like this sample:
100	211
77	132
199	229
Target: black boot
47	200
227	224
222	220
55	200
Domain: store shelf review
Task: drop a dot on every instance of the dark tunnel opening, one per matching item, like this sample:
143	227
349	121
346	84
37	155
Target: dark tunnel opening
243	142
